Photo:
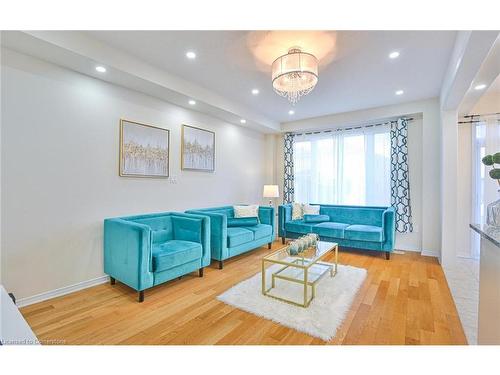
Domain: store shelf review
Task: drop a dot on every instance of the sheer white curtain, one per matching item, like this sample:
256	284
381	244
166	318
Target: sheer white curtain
486	141
343	167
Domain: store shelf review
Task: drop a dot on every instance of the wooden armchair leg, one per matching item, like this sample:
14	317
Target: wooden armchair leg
200	272
141	296
283	240
269	245
387	255
221	264
112	280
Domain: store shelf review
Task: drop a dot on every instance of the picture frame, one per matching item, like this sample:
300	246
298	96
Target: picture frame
197	149
144	150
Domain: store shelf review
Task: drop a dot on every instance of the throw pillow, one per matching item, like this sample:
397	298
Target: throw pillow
246	211
242	221
310	210
316	218
297	211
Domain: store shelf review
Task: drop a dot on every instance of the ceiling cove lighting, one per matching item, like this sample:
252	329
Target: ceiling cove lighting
294	74
394	55
191	55
291	112
255	92
480	87
100	69
399	92
192	102
243	121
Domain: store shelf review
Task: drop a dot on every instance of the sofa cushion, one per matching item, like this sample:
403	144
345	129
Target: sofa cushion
330	229
298	226
316	218
242	221
364	233
238	236
175	253
261	230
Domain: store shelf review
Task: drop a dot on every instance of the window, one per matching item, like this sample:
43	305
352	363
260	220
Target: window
345	167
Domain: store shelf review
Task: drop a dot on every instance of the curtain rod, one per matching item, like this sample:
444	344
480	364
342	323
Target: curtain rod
482	114
351	128
473	121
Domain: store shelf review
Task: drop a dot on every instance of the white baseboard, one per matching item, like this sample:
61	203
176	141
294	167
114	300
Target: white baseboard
428	253
21	302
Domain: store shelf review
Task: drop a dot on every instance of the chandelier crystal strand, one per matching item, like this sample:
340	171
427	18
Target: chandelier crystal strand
295	74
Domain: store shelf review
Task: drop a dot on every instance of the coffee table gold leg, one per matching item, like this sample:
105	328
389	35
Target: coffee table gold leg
336	257
305	288
273	281
263	278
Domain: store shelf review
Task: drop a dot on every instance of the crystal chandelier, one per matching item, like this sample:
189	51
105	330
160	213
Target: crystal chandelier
295	74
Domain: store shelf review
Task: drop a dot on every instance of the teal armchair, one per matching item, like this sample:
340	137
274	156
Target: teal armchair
227	242
147	250
362	227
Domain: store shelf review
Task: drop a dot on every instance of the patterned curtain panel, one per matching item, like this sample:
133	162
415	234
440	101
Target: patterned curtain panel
288	195
400	180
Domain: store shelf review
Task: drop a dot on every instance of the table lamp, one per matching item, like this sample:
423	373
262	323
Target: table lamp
271	191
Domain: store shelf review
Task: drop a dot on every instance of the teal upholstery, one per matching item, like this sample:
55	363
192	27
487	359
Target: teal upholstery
299	226
238	236
371	228
330	229
227	242
242	221
147	250
364	233
261	231
316	218
175	253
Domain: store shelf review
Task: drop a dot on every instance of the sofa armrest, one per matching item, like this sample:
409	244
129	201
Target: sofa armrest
194	228
284	215
218	233
266	216
127	253
389	227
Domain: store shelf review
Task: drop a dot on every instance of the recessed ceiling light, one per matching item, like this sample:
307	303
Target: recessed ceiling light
243	121
399	92
192	102
480	87
291	112
100	69
394	55
255	91
190	55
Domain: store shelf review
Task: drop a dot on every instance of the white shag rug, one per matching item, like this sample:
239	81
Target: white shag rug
321	319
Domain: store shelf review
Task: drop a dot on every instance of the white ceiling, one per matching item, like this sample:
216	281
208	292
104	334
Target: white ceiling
355	71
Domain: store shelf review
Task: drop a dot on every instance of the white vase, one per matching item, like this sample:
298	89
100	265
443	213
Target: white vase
493	213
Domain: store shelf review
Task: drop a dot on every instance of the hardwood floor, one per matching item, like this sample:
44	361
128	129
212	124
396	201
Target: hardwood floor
405	300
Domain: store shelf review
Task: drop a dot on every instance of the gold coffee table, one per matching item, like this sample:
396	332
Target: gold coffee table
306	268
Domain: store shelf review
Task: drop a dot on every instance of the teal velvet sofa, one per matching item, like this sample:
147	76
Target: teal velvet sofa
147	250
370	228
227	242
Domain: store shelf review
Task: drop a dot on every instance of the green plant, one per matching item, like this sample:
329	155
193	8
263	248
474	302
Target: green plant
490	161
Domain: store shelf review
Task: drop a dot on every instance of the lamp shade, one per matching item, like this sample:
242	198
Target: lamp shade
271	191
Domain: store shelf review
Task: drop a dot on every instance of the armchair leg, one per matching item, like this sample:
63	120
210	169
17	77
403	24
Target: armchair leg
200	272
141	296
283	240
112	280
221	264
269	245
387	255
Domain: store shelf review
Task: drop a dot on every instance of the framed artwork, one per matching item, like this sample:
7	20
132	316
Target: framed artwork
197	149
144	150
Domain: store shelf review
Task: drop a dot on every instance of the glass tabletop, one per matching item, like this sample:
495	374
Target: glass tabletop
312	254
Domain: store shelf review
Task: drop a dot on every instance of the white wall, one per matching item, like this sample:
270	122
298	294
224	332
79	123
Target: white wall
423	155
60	147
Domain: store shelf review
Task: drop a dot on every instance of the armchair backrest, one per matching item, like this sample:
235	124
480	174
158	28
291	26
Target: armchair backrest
226	210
